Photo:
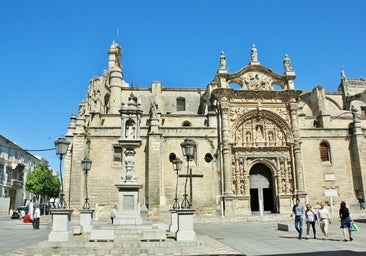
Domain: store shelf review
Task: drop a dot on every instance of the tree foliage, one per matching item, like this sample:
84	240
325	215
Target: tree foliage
42	183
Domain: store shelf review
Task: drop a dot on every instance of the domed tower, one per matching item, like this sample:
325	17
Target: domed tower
116	77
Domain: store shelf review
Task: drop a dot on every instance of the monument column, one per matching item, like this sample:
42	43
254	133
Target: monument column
128	189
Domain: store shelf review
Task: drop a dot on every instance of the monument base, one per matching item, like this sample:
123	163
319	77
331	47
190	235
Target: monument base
185	225
60	225
129	204
86	216
173	227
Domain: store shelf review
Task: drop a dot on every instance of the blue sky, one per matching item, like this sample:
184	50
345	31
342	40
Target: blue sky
49	50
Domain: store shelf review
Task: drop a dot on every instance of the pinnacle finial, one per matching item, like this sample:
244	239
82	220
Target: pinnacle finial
254	55
222	61
343	74
287	63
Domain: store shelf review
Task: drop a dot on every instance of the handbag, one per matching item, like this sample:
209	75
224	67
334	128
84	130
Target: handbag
354	227
315	215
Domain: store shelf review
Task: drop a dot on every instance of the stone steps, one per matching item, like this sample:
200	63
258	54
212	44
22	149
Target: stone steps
148	232
150	238
79	246
129	239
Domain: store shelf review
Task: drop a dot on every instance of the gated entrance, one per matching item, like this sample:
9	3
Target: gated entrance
261	189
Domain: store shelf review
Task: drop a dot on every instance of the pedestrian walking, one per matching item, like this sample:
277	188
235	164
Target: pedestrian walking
114	213
36	217
298	212
361	202
311	218
324	219
346	220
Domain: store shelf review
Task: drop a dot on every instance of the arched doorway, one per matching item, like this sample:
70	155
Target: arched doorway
261	189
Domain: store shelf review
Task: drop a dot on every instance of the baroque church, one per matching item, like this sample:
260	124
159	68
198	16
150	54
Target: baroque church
259	142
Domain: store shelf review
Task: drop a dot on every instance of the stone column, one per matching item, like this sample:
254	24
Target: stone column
297	148
226	154
356	145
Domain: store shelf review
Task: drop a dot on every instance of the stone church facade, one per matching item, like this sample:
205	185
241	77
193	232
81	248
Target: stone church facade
260	142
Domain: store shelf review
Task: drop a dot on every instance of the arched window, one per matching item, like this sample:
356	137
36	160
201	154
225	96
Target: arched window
186	123
106	103
181	104
324	152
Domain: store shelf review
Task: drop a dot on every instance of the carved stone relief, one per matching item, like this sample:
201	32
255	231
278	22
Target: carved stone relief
256	81
259	132
259	128
284	176
94	95
237	112
240	177
279	162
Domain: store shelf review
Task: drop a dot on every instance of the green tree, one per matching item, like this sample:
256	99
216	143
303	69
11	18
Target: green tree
42	183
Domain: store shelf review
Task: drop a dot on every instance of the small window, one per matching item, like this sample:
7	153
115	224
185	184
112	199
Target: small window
208	158
181	104
1	172
186	123
324	152
172	157
117	155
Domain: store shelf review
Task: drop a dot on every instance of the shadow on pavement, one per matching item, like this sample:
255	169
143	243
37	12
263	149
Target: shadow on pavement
295	238
360	220
333	253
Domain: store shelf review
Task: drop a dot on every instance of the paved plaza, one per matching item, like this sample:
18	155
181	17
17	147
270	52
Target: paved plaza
263	238
222	236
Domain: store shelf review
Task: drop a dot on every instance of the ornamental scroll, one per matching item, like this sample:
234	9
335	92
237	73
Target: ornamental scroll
256	81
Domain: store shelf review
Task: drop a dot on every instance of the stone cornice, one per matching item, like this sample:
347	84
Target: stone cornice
223	94
269	150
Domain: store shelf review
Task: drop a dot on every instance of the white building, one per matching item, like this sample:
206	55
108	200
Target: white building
15	164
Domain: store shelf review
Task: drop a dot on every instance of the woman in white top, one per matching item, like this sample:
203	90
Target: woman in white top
311	218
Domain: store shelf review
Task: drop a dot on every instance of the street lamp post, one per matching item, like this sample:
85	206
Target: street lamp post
61	150
188	149
177	166
86	166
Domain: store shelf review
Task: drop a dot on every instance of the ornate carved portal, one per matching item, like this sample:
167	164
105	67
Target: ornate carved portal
262	168
279	164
